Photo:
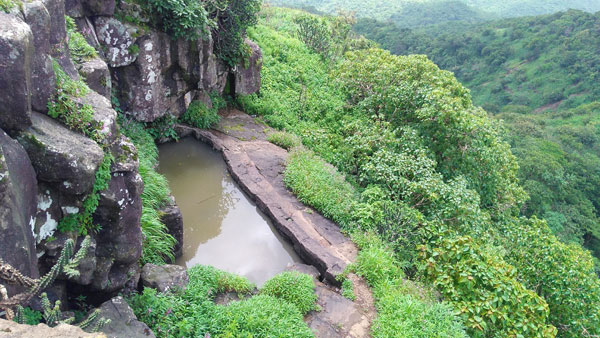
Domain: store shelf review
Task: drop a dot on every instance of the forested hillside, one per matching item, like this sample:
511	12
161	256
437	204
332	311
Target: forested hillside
423	182
522	67
414	13
533	62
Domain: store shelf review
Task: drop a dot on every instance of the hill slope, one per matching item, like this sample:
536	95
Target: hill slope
527	66
411	13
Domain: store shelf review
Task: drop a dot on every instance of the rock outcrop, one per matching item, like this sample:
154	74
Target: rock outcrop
123	322
63	158
173	220
16	59
10	329
247	75
164	277
18	199
49	173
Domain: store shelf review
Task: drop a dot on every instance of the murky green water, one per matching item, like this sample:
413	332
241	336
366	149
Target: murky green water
222	227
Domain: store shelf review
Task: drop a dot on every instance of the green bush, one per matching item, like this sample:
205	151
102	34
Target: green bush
484	290
284	139
553	270
200	116
262	316
193	313
403	309
293	287
180	18
227	20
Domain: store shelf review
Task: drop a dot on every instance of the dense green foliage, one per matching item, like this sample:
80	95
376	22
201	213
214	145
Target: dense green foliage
225	20
404	308
424	168
158	243
192	312
559	161
200	116
533	62
548	65
412	13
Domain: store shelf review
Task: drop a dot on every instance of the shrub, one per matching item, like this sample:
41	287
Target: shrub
284	139
293	287
200	116
192	313
484	290
562	274
7	5
180	18
403	309
262	316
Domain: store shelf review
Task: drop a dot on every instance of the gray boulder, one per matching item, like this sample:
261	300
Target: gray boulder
43	77
58	29
81	8
97	76
16	58
116	38
173	220
119	243
247	76
98	7
164	277
18	190
155	84
64	158
123	322
104	114
10	329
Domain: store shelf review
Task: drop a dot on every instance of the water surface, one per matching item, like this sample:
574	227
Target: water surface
222	227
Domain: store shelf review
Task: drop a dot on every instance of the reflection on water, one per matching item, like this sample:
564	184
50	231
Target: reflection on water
222	227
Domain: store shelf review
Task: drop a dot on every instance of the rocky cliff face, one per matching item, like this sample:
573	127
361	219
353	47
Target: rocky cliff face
48	170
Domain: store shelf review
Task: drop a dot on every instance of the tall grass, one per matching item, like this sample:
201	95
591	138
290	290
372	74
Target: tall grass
158	243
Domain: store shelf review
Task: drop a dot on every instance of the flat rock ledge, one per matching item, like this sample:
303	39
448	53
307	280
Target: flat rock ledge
257	166
9	329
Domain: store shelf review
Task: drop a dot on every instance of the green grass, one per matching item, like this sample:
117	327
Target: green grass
404	308
158	243
318	184
284	139
293	287
193	313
